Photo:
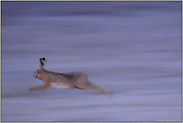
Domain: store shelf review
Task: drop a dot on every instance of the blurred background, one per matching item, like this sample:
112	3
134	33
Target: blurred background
133	48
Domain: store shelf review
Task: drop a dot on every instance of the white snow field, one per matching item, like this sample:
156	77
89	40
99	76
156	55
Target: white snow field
133	48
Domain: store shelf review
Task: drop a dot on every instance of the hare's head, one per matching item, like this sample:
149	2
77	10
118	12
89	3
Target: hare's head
38	73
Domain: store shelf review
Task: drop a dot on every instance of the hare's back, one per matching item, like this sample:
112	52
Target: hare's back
77	74
73	75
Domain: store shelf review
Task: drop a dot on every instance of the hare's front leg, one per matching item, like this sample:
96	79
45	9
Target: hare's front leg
39	87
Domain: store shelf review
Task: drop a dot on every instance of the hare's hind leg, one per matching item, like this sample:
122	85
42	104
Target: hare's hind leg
88	85
84	83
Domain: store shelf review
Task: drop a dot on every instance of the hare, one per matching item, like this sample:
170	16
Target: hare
57	80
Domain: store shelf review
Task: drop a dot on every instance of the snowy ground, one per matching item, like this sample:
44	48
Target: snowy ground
134	48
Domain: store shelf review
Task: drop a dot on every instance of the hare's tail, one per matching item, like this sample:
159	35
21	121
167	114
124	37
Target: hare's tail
101	90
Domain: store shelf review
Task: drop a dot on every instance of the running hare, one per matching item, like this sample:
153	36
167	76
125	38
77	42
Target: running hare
56	80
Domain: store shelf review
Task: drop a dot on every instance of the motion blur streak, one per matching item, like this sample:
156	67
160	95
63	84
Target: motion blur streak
134	48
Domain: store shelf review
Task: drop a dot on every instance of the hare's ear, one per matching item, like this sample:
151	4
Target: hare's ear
44	59
41	62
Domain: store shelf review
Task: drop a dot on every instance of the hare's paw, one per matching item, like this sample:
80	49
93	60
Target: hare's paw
39	87
31	88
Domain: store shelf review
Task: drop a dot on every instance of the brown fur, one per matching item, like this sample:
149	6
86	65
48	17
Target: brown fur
78	80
